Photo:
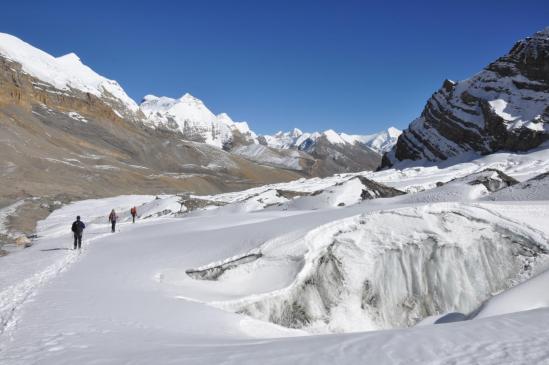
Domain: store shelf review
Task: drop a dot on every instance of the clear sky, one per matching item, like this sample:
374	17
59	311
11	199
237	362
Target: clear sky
353	66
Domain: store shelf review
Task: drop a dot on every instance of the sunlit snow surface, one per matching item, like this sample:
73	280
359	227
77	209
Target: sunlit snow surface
313	265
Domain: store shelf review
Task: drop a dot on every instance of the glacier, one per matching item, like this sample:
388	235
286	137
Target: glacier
393	268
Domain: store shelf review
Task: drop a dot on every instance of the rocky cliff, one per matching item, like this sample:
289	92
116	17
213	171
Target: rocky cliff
503	107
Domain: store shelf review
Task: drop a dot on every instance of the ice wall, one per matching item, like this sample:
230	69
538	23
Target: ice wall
391	269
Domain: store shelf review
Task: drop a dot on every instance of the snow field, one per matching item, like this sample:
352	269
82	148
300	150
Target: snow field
270	270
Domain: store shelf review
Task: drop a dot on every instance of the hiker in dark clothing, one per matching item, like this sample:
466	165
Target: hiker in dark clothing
133	212
78	229
112	218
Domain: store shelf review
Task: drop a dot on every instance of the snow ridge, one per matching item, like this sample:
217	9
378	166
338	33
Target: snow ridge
64	73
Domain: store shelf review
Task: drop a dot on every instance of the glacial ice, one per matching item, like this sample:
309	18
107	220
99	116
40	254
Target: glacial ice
393	268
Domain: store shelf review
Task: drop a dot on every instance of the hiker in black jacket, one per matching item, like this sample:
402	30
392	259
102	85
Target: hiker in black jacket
78	228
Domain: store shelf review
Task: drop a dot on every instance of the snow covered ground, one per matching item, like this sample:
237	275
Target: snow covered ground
256	279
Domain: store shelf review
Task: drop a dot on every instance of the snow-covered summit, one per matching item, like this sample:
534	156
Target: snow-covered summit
64	73
190	116
241	127
380	142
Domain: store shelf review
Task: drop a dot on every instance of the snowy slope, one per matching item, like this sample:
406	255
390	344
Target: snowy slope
64	73
536	188
269	156
522	167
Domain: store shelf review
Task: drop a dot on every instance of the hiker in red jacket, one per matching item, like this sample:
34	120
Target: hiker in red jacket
112	218
133	212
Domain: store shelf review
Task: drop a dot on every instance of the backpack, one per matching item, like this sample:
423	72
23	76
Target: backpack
78	227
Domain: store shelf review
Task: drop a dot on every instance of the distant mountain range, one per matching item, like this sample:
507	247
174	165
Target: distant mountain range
379	142
190	116
293	150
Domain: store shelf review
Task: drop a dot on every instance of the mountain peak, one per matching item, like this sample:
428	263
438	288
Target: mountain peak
189	98
225	118
394	132
296	132
544	33
333	137
149	97
69	57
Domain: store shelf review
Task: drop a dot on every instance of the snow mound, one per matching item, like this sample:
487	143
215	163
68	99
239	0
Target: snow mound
345	193
536	188
529	295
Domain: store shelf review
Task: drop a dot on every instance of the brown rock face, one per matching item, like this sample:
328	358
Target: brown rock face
504	107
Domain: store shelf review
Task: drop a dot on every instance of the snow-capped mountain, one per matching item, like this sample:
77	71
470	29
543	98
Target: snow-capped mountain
65	74
339	151
241	127
379	142
287	140
503	107
190	116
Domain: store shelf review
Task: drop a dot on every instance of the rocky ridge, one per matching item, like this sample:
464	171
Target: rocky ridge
503	107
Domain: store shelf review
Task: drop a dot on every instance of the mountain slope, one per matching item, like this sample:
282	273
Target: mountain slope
505	106
66	74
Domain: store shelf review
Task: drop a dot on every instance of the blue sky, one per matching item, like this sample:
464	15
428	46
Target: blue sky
354	66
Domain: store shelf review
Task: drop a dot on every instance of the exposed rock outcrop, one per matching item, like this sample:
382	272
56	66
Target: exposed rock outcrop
504	107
